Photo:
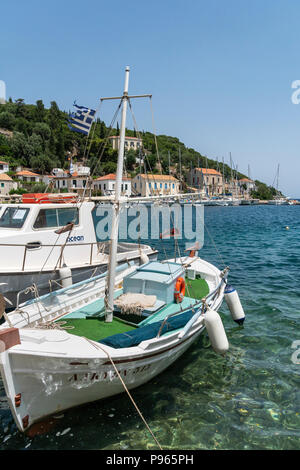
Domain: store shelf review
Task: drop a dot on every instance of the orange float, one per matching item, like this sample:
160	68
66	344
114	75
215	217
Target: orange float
179	290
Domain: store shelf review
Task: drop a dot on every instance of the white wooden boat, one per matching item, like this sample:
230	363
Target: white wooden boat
126	327
50	370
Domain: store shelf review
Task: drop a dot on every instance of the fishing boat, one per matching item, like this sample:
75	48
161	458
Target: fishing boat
49	240
110	333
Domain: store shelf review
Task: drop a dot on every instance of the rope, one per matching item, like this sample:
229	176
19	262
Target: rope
97	346
218	252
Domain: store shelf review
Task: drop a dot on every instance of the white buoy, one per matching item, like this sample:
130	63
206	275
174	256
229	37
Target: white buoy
234	305
65	275
216	331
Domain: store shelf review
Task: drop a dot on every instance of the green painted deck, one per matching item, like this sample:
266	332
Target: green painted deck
95	328
196	288
89	321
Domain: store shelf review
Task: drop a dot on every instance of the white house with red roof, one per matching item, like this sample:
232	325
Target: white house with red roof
29	176
246	185
106	184
207	179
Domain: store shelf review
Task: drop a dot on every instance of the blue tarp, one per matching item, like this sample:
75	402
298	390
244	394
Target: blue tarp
135	337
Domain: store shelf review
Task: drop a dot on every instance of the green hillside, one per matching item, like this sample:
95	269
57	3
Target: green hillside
39	138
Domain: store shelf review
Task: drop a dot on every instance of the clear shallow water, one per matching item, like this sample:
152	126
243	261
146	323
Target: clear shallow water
248	400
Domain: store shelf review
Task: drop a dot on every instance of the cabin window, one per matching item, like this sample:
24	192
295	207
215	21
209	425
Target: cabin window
48	218
13	217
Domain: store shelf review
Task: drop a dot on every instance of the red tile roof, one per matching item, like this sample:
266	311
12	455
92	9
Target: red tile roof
111	176
4	176
158	177
209	171
26	173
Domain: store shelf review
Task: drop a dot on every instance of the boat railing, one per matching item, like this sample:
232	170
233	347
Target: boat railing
203	302
36	288
33	246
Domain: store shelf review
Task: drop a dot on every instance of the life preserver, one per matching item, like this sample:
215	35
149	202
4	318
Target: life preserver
179	290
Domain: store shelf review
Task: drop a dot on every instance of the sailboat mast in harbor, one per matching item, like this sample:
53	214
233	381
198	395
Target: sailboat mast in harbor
116	207
109	295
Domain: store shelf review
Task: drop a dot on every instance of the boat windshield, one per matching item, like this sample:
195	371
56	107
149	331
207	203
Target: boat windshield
13	217
49	218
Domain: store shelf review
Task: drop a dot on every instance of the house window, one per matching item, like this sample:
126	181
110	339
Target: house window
166	185
2	185
126	186
149	185
160	185
173	185
74	183
155	186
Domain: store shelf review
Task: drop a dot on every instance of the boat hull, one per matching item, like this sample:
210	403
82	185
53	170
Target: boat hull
48	385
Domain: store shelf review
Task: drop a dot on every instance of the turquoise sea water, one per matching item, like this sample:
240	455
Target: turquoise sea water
249	399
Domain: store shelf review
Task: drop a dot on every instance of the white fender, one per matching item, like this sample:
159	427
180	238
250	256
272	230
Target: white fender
234	305
65	275
216	331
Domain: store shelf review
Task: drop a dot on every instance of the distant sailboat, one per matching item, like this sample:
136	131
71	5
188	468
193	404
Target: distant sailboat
278	200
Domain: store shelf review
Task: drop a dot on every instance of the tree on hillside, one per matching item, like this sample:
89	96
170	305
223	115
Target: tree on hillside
40	111
54	116
7	120
43	130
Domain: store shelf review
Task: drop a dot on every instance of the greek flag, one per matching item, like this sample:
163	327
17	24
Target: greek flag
81	120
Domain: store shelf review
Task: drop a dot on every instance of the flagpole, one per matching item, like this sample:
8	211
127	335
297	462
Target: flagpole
109	294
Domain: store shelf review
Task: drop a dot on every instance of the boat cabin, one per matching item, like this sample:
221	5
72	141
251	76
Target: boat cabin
154	278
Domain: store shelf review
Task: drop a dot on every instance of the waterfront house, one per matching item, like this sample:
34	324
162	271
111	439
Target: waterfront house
155	185
72	183
131	143
246	185
207	179
106	184
4	167
29	176
6	184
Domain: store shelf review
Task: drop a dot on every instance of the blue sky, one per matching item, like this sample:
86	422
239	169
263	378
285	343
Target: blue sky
220	71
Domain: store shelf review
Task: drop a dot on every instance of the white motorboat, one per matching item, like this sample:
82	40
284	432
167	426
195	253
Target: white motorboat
32	252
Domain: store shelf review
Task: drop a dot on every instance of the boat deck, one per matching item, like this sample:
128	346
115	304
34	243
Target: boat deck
89	320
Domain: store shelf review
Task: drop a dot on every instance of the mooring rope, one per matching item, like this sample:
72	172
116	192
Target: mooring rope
97	346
